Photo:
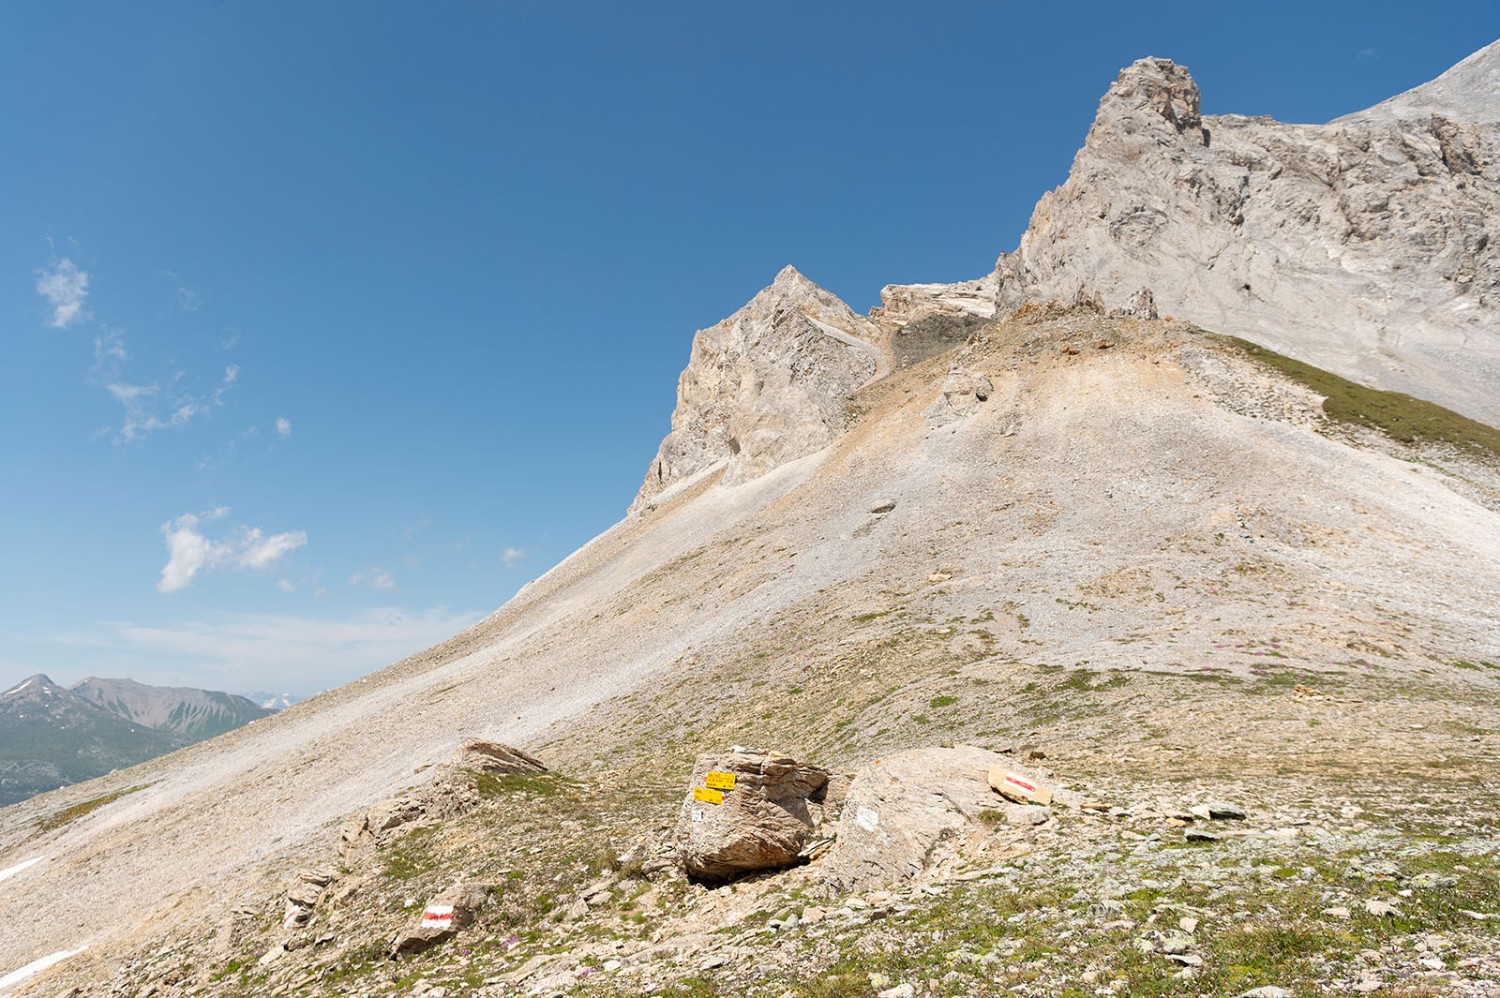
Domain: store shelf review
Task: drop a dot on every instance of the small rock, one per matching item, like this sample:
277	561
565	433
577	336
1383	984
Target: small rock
1198	835
884	507
1267	991
1380	909
939	577
1188	924
442	917
899	991
1336	912
1217	811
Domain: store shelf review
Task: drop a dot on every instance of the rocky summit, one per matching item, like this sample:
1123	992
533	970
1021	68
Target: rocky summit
1369	246
1125	622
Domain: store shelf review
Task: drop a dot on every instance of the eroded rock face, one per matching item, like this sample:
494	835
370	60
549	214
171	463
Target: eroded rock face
766	386
1367	246
762	823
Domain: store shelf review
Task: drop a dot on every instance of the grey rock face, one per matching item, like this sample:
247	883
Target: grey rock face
761	824
1367	246
765	386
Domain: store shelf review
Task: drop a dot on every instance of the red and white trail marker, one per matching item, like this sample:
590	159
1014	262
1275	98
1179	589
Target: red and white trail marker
1019	787
437	916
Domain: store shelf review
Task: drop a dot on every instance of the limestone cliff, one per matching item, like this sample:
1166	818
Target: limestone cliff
765	386
1367	245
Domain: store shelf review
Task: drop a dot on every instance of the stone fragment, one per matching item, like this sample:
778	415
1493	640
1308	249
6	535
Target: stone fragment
1217	811
1380	909
1267	991
1198	835
761	823
1336	912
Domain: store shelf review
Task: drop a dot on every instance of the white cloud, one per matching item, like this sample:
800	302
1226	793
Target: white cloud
375	578
239	652
512	556
283	426
285	585
150	406
190	551
66	288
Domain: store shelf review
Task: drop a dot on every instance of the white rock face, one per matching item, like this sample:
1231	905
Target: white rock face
766	386
903	304
1470	91
1367	246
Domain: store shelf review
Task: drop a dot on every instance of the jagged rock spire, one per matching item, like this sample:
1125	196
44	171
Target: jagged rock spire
765	386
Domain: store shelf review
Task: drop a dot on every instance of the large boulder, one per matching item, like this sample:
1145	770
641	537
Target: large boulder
915	809
748	810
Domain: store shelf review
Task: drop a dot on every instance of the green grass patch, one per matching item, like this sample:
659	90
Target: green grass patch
79	810
1399	416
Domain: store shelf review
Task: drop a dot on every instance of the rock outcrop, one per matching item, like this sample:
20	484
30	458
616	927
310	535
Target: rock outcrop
913	810
479	755
761	822
1367	246
766	386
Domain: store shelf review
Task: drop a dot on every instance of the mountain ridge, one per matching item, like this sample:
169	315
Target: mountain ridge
983	514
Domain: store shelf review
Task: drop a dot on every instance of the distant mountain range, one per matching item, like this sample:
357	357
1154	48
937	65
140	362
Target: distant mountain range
51	736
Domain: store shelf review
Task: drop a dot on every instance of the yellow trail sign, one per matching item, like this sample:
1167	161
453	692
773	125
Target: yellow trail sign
719	781
708	796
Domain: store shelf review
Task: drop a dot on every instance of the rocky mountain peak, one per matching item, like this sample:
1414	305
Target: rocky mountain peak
1156	86
765	386
1369	246
33	687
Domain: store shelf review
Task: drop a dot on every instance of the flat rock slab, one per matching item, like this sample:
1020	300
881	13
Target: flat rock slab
901	811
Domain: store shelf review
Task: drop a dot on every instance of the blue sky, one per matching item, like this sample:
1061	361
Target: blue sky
326	326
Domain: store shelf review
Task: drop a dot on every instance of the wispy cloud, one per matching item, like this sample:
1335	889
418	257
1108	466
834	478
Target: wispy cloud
283	426
512	556
297	653
191	552
150	406
374	578
66	289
